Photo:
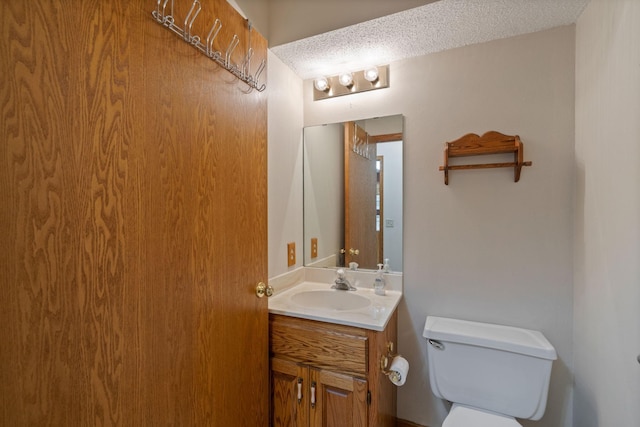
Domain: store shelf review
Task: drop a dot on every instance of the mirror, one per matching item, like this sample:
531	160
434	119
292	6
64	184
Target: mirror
353	193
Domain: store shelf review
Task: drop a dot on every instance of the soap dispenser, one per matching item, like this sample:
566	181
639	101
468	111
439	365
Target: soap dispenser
378	283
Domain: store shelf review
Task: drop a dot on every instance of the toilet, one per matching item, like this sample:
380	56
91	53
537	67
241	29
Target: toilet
492	374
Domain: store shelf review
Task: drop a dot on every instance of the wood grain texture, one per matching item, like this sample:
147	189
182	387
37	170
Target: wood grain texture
339	348
387	137
133	185
341	400
384	402
300	342
360	199
286	409
491	142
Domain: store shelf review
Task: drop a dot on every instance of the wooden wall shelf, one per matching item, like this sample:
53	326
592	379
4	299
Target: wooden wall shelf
491	142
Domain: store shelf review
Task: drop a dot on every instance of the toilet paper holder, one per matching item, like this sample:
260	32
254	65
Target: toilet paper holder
385	360
394	366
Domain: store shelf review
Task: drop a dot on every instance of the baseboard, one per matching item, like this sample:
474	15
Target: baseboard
405	423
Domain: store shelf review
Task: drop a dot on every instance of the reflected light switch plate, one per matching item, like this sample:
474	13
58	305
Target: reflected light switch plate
314	247
291	254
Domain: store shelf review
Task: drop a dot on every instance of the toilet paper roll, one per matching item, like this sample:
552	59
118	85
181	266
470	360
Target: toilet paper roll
398	370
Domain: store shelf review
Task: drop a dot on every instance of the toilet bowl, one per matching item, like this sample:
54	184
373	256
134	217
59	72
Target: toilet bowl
492	374
464	416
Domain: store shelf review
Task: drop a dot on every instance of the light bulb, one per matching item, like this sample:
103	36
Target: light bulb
371	74
346	79
321	83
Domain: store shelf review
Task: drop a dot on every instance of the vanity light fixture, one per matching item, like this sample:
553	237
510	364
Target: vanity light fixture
346	80
351	82
371	74
321	84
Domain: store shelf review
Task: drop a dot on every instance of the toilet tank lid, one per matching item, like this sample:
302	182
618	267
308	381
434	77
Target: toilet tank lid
500	337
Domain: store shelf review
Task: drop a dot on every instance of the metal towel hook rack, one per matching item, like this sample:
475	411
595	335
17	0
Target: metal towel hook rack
196	7
241	71
213	33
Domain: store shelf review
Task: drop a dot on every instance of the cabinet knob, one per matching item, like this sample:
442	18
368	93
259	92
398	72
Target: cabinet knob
354	251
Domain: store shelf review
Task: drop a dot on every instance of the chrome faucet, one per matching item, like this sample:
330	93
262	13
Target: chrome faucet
342	283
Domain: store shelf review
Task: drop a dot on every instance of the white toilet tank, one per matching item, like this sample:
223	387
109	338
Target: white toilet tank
498	368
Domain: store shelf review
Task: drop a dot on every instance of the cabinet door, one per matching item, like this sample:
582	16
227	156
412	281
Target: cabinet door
340	400
290	394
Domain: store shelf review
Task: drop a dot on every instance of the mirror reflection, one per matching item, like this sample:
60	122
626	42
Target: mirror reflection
353	194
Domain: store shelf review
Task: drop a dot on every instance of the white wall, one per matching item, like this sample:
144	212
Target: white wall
483	248
285	165
324	191
607	225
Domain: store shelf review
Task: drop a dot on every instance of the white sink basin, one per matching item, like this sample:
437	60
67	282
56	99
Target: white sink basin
331	300
317	301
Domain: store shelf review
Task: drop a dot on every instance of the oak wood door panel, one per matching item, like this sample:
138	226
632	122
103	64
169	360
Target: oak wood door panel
324	345
343	394
384	402
134	220
289	394
341	400
360	198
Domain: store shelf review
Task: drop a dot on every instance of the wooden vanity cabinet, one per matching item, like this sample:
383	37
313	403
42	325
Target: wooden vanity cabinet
324	374
338	399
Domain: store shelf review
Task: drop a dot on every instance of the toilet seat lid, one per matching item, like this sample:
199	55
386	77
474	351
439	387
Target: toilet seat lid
465	416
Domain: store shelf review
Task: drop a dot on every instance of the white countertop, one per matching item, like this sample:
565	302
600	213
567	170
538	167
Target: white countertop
375	316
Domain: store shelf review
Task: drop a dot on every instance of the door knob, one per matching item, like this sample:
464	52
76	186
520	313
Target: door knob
354	251
262	290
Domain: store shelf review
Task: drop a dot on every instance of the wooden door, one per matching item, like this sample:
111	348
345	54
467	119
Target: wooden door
341	400
290	394
361	240
133	221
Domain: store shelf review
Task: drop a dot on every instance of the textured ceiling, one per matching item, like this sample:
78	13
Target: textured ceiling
284	21
434	27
